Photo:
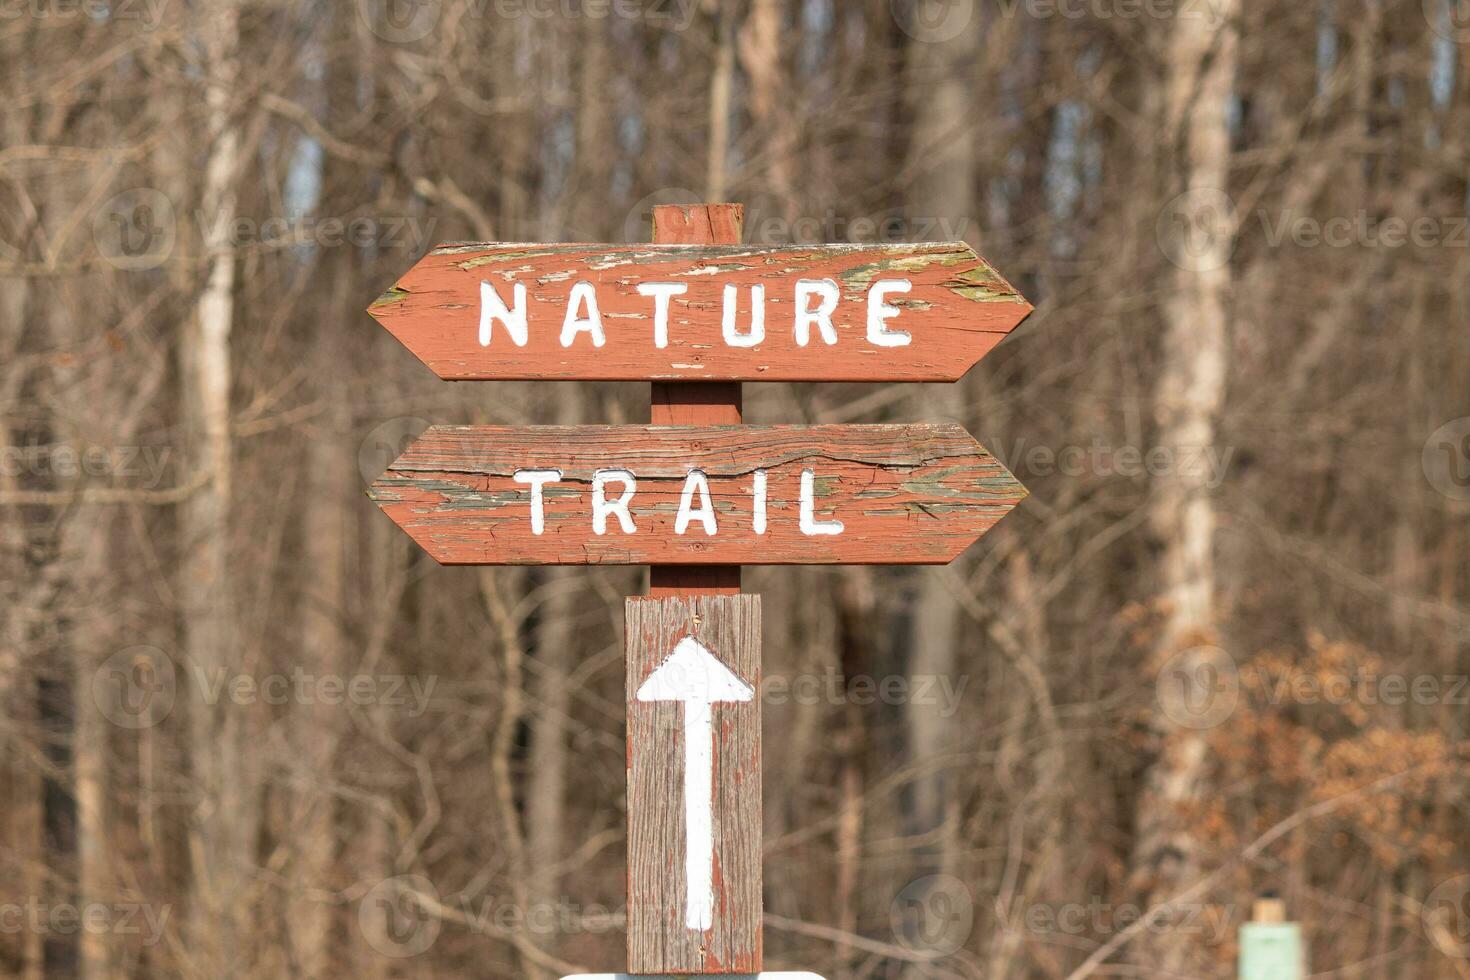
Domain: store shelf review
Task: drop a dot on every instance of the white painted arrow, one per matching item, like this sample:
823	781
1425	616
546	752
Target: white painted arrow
695	676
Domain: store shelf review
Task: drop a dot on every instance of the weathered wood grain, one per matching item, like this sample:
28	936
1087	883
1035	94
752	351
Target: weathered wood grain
905	494
659	940
957	310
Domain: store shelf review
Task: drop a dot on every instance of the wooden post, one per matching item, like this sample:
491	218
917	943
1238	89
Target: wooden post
659	937
696	402
694	784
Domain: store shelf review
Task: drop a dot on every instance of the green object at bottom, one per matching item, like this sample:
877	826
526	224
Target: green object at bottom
1271	951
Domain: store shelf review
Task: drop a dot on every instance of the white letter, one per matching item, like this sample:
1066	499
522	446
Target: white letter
809	524
662	293
758	487
878	311
757	316
582	294
601	508
821	316
706	510
536	479
492	308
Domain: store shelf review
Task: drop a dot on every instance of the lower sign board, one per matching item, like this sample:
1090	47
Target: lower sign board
675	495
695	976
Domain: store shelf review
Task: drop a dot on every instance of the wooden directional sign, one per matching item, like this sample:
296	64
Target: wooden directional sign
697	495
694	788
915	312
718	495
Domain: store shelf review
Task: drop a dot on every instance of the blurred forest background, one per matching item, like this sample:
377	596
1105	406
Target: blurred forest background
248	731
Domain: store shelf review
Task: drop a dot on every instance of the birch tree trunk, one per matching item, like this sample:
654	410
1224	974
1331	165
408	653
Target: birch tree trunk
220	833
1187	405
557	652
323	652
22	592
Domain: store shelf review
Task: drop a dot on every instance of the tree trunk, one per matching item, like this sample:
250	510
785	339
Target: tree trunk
221	838
1187	406
941	83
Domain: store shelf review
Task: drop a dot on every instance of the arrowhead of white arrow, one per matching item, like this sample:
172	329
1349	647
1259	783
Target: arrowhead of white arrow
693	673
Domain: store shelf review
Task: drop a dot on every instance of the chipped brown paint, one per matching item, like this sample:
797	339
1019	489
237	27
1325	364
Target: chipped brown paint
905	494
958	309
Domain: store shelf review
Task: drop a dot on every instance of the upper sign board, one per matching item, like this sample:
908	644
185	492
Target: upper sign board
920	312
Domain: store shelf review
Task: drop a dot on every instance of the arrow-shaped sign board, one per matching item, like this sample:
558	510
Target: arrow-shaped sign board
694	793
671	495
910	312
